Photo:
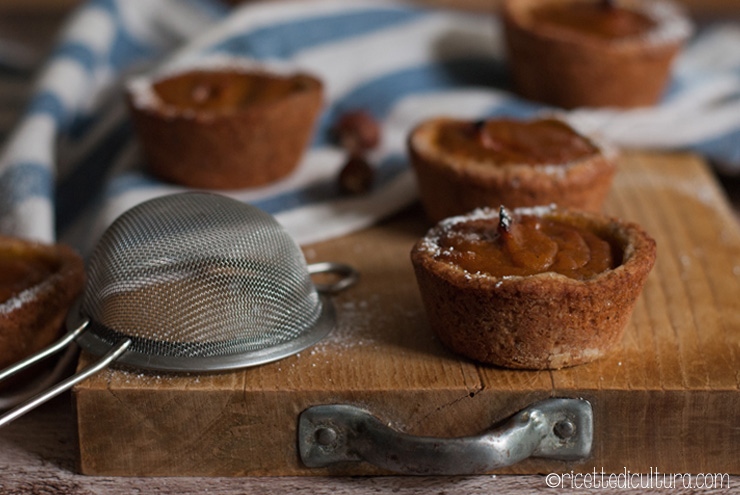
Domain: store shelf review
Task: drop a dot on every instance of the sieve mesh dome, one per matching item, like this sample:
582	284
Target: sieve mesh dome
198	275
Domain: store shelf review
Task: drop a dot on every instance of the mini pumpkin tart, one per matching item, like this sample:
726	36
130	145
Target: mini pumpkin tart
537	288
461	165
224	127
593	53
38	284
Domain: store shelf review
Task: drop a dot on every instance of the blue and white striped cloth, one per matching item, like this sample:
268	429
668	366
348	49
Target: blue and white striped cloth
72	164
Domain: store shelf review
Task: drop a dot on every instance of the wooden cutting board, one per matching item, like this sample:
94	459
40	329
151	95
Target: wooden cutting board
668	398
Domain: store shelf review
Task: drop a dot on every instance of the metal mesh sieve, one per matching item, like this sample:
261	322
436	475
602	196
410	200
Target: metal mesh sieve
194	282
197	275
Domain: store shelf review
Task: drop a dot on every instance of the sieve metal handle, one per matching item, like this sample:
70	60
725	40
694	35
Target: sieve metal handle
64	385
347	276
44	353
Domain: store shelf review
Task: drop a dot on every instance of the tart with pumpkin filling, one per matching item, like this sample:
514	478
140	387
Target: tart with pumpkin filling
536	288
593	53
225	127
38	284
461	165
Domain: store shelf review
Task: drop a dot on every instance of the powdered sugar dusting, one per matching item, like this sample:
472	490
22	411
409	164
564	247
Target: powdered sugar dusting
430	242
142	93
24	297
554	170
672	23
356	326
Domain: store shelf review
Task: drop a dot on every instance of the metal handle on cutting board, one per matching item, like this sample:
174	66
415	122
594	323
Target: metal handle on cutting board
553	428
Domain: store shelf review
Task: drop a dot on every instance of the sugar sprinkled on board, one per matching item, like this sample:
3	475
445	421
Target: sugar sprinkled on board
354	326
24	297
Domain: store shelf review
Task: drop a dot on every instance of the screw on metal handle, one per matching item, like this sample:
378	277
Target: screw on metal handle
554	429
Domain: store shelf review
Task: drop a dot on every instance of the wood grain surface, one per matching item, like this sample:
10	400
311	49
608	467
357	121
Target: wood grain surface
669	394
38	453
38	457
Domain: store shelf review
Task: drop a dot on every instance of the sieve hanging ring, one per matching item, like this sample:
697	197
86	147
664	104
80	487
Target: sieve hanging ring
346	276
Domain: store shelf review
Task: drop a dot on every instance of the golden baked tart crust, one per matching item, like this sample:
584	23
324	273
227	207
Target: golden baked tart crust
38	284
574	53
224	128
466	171
545	320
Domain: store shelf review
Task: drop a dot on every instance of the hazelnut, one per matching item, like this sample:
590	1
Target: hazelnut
357	131
357	175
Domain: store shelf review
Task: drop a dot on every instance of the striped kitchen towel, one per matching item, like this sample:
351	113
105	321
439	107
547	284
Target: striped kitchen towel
72	165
